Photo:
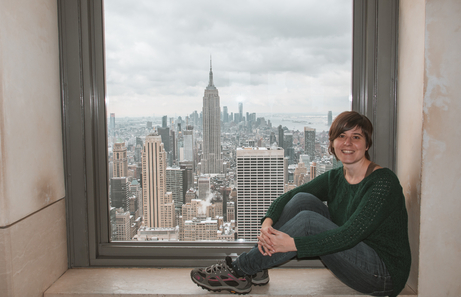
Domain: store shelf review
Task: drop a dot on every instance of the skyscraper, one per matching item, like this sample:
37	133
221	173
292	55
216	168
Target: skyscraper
330	118
155	201
309	142
240	111
112	125
225	118
281	136
120	160
212	161
260	180
176	184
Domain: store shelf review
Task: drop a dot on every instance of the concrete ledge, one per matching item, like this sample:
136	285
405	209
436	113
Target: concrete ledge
145	282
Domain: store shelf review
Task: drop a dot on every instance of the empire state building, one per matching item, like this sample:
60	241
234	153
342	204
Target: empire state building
211	159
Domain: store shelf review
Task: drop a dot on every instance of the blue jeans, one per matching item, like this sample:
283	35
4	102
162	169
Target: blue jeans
359	267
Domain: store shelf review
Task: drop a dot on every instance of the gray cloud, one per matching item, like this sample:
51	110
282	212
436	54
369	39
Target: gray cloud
273	55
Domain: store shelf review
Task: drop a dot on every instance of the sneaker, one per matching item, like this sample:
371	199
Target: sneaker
261	278
221	276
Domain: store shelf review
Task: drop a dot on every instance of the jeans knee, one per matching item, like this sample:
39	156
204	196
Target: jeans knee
306	201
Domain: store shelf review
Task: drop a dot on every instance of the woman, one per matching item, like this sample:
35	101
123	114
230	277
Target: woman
361	236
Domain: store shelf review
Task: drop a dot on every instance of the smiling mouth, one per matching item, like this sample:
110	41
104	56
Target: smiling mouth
347	152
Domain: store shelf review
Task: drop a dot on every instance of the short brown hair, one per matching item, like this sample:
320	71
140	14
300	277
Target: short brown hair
346	121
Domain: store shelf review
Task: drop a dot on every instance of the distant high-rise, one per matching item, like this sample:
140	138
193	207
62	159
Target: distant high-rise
165	135
120	160
157	206
212	161
112	124
188	136
330	118
281	136
164	121
272	138
240	111
309	142
176	184
225	114
260	180
118	192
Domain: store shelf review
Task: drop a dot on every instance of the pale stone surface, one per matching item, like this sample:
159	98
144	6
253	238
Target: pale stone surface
176	282
31	156
410	118
440	241
38	251
5	263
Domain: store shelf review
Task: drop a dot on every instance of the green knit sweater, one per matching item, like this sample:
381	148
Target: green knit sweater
372	211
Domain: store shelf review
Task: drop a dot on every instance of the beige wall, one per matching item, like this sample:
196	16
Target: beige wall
429	138
33	252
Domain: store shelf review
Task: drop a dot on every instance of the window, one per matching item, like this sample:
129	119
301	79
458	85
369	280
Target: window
84	130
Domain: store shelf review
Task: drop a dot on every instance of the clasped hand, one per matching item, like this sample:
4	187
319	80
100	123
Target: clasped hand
271	241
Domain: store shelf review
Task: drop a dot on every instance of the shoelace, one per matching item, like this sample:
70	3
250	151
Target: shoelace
216	267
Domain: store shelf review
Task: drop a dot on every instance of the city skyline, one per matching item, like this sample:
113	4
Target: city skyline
283	58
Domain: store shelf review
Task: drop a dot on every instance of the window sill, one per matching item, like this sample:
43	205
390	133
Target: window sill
99	282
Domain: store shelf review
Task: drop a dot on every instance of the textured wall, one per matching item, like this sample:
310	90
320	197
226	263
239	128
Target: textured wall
440	239
33	252
429	138
410	117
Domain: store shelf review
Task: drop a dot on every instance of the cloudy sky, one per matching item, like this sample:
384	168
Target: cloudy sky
274	56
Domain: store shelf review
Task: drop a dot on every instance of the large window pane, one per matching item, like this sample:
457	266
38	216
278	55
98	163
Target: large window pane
216	108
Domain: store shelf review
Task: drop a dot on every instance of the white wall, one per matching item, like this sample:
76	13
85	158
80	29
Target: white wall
429	139
33	252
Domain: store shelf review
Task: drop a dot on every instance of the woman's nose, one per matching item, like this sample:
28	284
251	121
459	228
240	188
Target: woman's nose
347	140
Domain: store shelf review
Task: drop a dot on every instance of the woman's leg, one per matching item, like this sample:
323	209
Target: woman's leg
253	261
359	267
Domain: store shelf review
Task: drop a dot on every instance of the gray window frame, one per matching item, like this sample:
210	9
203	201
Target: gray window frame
374	89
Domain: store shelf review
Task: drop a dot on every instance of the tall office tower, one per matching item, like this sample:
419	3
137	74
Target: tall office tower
330	118
176	184
188	166
138	153
281	136
240	111
164	121
112	125
260	180
231	117
309	142
165	135
212	161
154	160
272	139
188	141
118	192
288	143
225	115
173	145
203	187
120	160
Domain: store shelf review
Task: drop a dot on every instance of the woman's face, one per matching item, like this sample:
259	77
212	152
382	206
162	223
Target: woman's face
350	146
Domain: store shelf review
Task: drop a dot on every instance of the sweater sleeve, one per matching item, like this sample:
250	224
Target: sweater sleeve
377	203
317	187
